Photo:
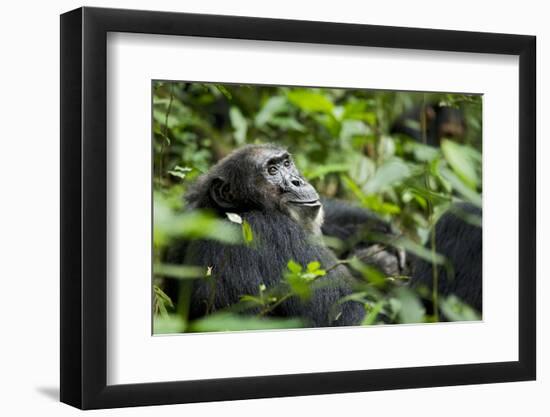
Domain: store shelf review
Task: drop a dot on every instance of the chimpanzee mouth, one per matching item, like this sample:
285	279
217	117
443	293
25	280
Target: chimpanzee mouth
311	203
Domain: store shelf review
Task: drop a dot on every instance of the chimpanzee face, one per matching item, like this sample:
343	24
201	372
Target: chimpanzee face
289	189
264	177
279	172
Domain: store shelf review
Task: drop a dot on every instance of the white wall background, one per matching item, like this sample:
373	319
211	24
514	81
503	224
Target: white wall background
29	177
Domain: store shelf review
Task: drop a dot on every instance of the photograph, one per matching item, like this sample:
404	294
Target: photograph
290	207
264	206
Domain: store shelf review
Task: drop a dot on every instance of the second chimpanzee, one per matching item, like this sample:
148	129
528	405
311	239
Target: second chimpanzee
431	123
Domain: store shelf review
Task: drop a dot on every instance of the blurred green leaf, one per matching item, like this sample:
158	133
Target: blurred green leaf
389	174
463	161
194	224
409	306
287	123
423	153
171	323
455	310
310	101
161	301
223	89
225	322
179	271
321	171
368	272
469	194
372	314
351	128
273	106
239	123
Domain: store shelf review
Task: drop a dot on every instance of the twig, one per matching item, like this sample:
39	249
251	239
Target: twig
165	134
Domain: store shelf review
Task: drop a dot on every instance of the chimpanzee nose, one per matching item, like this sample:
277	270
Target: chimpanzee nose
297	182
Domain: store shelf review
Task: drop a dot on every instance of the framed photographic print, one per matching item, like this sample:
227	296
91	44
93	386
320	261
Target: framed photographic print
257	208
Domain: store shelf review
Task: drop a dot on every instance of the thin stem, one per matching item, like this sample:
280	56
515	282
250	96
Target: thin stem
435	270
165	134
273	306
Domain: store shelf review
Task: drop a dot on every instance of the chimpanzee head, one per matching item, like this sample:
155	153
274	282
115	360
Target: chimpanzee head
258	177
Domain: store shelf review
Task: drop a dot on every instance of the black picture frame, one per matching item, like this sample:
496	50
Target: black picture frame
84	207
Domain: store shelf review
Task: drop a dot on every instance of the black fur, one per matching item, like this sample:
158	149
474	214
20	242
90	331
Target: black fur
344	221
356	228
461	243
239	270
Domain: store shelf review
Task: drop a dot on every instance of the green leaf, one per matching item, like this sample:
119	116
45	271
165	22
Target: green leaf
456	310
287	123
195	224
372	315
371	274
390	173
239	123
179	271
273	106
358	110
170	323
469	194
299	286
362	168
372	201
424	153
247	232
323	170
351	128
162	295
410	306
463	161
160	117
220	322
222	89
252	300
313	266
310	101
294	267
161	300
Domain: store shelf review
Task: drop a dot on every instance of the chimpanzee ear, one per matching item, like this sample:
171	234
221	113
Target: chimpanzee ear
220	192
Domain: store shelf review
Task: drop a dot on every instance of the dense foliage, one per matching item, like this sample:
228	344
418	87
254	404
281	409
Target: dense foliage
341	141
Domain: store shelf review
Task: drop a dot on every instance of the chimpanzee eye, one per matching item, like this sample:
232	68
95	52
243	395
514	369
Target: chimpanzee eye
272	170
286	163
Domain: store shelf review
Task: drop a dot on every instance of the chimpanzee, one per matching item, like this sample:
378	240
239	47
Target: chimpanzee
461	243
438	121
261	185
352	225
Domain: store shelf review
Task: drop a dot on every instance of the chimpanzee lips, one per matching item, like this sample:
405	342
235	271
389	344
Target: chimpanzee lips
311	203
